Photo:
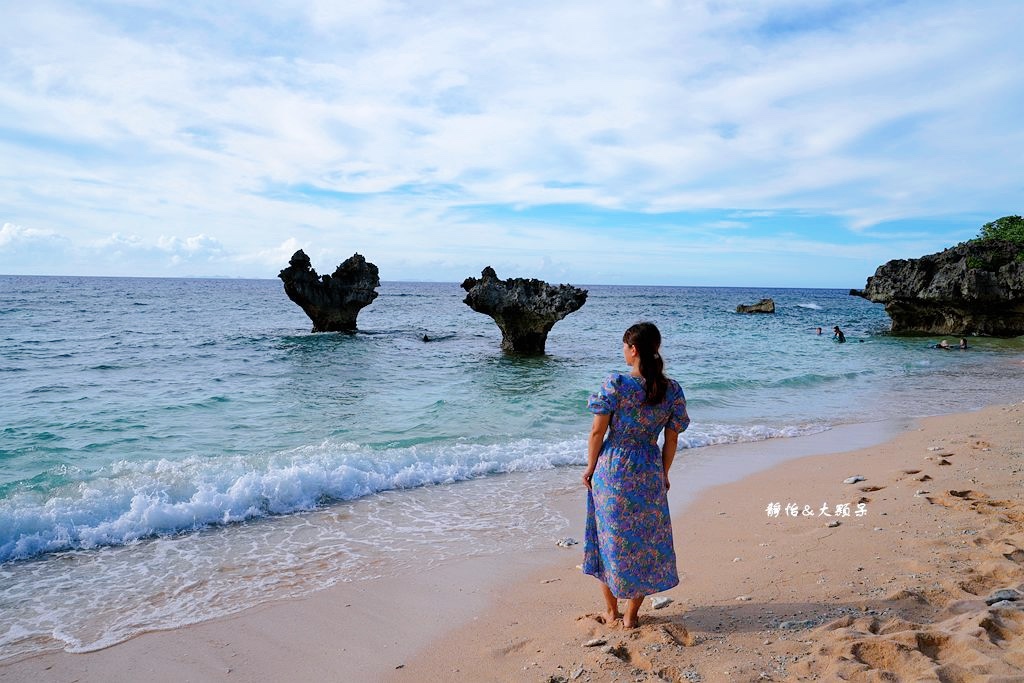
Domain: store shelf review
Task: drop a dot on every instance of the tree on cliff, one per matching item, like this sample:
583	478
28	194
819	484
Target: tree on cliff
1009	228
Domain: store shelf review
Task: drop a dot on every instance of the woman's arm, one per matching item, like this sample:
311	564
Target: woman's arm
668	451
597	429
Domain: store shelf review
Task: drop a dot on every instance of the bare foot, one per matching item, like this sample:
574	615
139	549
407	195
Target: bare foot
632	617
609	618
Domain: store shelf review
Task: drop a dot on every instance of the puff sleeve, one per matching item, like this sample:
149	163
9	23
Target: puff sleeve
603	402
678	420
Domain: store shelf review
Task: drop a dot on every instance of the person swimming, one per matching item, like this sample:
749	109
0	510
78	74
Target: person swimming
837	335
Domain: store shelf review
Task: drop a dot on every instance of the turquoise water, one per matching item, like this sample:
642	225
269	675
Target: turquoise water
156	423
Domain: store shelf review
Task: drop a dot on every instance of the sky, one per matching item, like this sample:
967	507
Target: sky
787	143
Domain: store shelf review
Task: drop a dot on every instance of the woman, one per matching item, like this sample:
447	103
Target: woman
629	534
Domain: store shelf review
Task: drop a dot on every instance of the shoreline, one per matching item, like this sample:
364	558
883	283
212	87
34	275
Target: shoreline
411	627
899	594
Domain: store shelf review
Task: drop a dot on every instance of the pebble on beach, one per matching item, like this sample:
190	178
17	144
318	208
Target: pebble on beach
1002	595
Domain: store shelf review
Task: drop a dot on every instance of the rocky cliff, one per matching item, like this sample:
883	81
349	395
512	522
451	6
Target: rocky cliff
333	301
524	309
973	288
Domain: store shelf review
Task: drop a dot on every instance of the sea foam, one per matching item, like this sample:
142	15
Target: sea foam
128	501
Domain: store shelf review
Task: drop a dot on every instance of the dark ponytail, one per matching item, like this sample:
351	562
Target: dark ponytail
647	340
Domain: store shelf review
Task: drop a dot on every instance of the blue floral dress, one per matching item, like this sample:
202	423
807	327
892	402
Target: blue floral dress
629	534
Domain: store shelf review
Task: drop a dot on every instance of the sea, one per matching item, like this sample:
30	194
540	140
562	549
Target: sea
175	450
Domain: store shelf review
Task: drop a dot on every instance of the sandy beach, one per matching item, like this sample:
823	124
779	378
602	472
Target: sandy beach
898	593
897	590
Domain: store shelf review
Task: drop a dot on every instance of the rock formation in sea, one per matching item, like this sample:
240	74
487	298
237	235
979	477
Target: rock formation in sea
762	306
973	288
333	301
524	309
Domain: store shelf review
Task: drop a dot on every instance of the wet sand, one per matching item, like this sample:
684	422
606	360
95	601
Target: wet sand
895	594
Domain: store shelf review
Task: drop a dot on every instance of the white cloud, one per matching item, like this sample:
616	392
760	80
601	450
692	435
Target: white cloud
27	250
151	122
275	256
16	237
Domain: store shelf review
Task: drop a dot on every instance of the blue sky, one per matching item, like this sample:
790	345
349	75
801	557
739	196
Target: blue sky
717	142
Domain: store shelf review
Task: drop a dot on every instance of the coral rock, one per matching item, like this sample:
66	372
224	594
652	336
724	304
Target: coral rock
762	306
524	309
333	301
972	288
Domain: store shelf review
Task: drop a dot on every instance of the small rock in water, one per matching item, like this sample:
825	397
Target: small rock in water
854	479
594	642
566	542
658	603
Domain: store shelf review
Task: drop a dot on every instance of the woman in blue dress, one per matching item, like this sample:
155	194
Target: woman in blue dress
628	543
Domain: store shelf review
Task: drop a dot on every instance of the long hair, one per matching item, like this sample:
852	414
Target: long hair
647	340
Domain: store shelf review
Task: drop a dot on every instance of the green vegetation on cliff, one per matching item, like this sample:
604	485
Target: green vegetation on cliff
1009	228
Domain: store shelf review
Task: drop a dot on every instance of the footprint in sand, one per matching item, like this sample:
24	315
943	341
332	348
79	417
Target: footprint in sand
597	618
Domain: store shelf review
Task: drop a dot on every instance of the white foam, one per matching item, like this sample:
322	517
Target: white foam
84	600
812	306
713	435
87	598
129	501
